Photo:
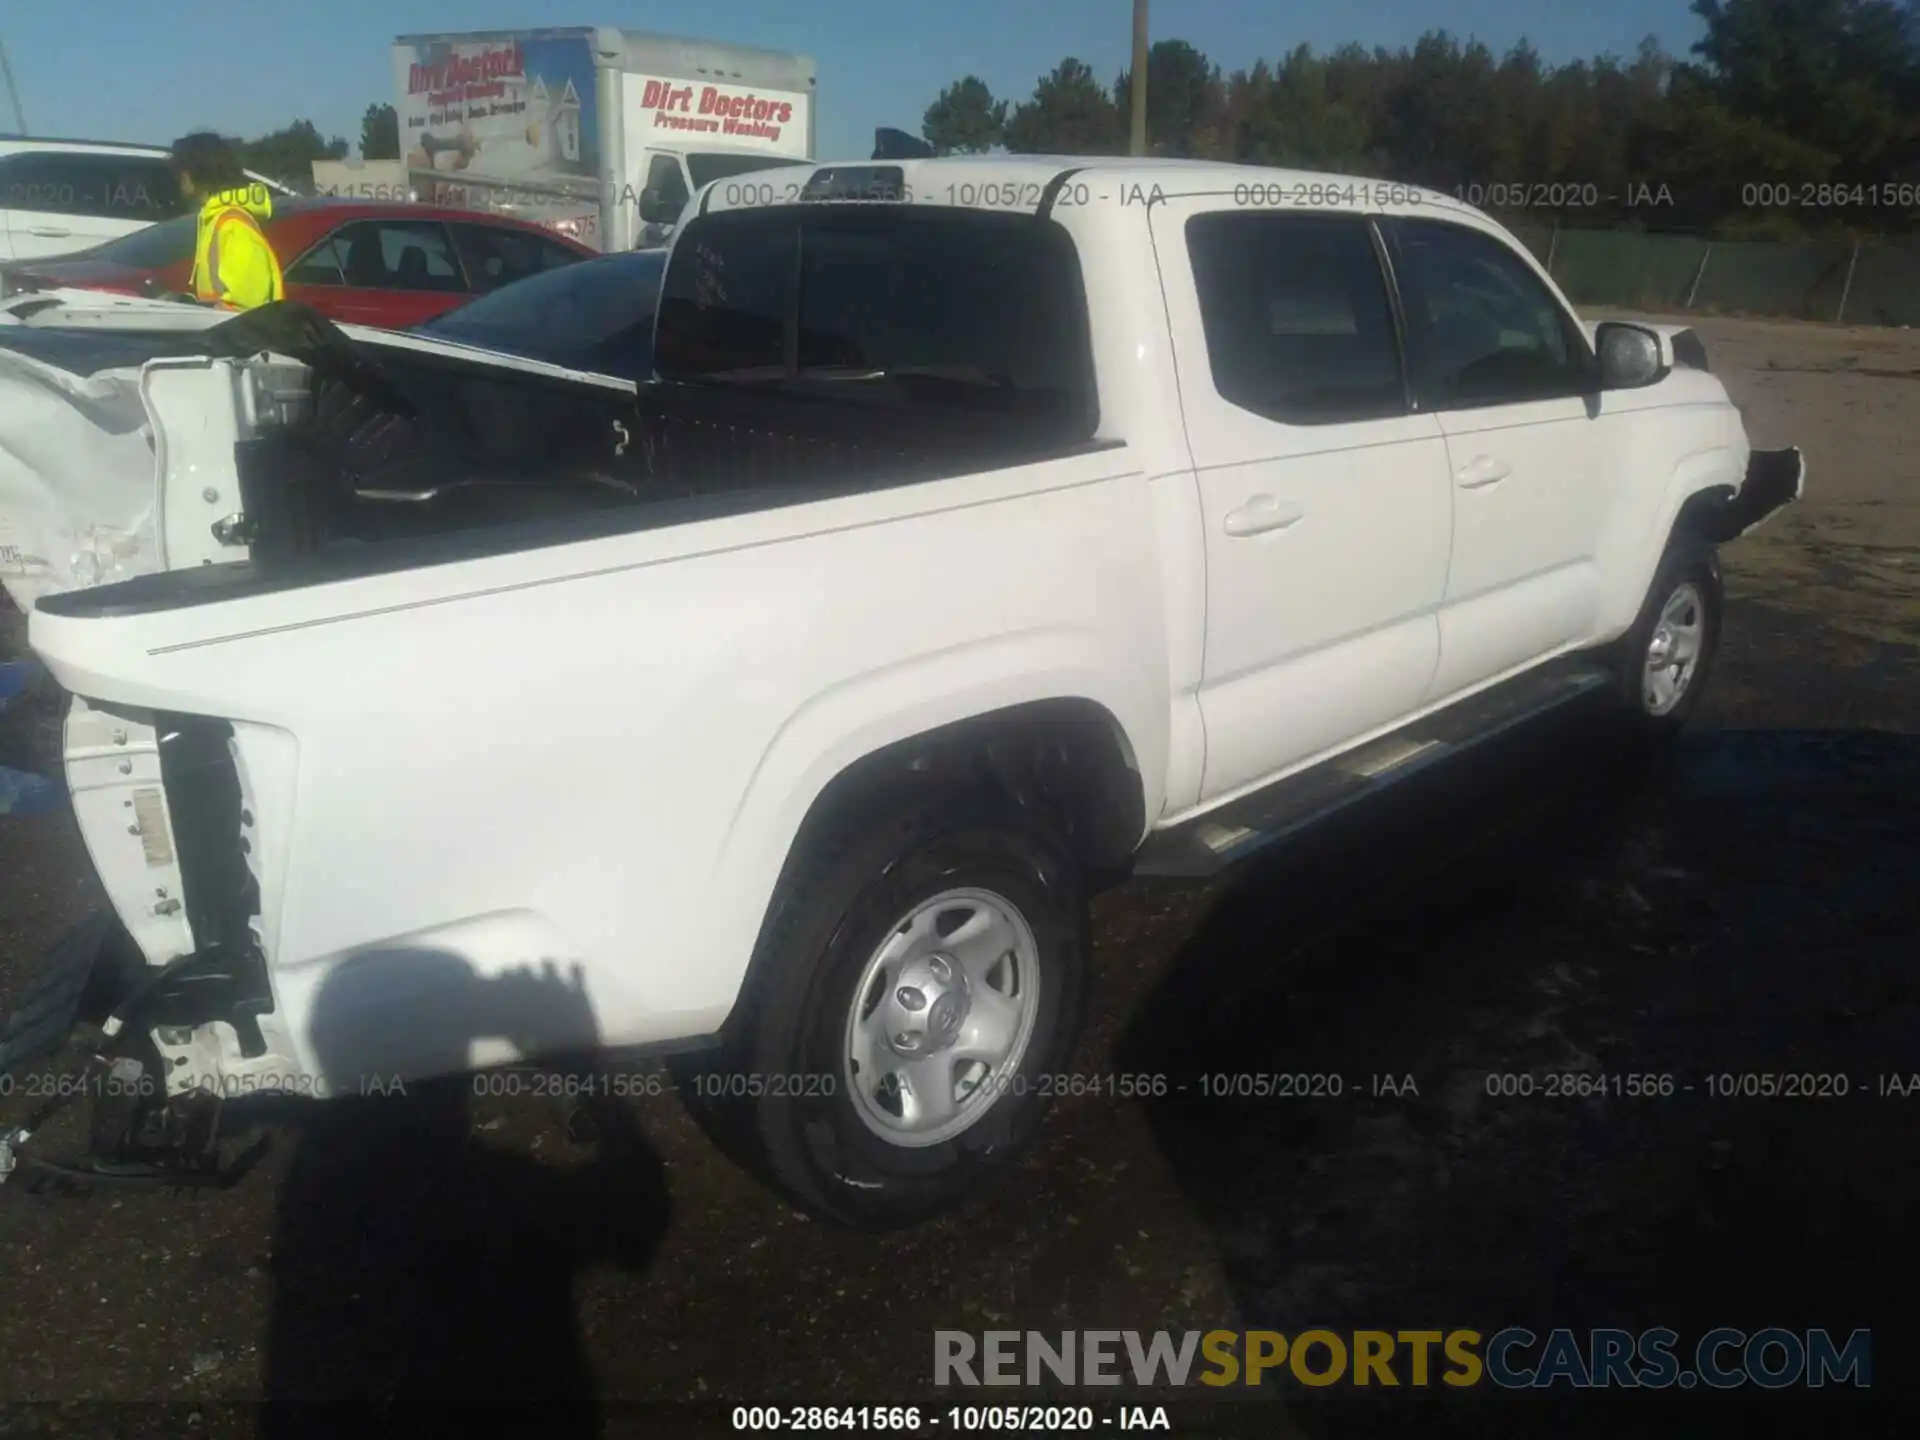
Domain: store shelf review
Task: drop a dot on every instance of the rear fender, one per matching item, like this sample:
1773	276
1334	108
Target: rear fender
837	730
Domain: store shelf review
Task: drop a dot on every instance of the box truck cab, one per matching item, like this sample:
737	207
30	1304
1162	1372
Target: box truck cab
599	132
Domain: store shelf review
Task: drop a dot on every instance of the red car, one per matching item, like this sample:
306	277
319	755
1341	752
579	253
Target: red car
369	262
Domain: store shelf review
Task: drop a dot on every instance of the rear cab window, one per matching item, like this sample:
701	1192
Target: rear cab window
895	307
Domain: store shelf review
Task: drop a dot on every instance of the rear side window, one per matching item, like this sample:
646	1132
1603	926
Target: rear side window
383	255
891	305
138	188
496	255
1298	320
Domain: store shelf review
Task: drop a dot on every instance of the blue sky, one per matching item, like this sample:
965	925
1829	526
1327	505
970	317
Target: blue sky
152	70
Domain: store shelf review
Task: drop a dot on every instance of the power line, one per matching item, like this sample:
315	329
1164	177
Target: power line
1138	144
6	69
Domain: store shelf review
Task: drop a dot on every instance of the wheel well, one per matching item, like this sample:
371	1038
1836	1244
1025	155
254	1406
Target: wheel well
1066	761
1699	526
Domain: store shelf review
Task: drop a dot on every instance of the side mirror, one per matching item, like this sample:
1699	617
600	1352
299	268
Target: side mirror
656	209
1631	356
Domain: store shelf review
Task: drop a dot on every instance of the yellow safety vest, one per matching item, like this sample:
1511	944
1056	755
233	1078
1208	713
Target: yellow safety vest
233	262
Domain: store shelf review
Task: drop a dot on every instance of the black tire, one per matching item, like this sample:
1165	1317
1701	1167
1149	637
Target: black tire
774	1095
1682	567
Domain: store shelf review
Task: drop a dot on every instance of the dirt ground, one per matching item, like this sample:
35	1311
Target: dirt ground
1751	906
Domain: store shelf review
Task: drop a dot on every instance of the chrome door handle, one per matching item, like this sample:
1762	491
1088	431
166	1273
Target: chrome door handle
1261	514
1481	471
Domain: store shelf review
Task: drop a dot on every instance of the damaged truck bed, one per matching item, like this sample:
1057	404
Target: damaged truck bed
346	436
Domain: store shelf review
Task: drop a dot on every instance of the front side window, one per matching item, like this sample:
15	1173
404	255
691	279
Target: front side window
1298	319
1481	326
667	184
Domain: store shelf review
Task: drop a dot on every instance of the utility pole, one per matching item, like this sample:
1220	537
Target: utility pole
6	70
1138	144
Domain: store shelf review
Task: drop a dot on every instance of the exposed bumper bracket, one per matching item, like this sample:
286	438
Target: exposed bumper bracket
139	1134
1774	480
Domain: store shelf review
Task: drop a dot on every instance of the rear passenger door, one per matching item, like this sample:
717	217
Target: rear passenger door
53	202
1324	497
391	273
1510	375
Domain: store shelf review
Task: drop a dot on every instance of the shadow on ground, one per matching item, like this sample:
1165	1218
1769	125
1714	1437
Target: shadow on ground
419	1274
1748	906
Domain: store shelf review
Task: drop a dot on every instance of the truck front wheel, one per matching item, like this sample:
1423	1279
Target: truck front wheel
921	991
1662	662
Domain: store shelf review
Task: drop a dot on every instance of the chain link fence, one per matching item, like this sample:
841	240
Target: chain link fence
1866	282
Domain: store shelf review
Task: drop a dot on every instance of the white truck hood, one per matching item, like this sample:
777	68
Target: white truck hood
112	424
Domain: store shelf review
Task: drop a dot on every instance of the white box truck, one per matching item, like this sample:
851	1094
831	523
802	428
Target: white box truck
599	132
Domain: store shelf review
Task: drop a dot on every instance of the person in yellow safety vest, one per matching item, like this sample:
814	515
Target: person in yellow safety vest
233	261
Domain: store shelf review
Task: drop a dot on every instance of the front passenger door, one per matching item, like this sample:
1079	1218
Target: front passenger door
1510	376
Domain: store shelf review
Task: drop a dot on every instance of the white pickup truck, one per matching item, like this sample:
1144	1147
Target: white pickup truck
993	528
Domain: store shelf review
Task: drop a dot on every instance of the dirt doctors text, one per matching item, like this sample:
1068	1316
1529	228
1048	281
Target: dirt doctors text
1513	1358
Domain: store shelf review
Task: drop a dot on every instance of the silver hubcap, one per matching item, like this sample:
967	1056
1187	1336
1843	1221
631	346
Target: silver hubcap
941	1017
1674	652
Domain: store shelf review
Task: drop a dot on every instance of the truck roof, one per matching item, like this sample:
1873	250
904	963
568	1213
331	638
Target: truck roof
1037	183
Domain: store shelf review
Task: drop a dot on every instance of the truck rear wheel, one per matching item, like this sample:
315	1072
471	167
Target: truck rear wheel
919	982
